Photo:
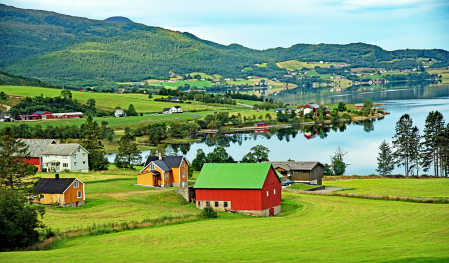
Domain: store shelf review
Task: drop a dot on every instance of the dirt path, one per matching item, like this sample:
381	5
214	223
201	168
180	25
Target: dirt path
6	106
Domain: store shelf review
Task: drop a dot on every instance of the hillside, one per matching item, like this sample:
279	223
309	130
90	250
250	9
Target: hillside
7	78
79	51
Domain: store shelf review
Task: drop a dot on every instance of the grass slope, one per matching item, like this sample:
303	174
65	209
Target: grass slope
396	187
317	228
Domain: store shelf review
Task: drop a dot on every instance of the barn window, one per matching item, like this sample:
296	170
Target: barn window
216	204
274	191
207	203
79	194
225	204
267	193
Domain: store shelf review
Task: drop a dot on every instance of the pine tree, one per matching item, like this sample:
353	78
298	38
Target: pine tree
92	143
443	141
402	142
15	171
385	161
127	151
415	150
433	126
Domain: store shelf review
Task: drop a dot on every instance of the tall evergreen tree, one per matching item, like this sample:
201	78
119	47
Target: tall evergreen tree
15	171
402	142
415	152
128	154
92	143
434	125
444	150
385	161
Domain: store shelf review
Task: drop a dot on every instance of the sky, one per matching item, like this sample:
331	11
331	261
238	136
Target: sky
262	24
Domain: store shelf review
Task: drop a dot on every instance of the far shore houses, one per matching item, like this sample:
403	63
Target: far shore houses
45	115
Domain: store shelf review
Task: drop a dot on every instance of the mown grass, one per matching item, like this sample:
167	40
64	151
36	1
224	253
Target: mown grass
302	186
408	187
310	229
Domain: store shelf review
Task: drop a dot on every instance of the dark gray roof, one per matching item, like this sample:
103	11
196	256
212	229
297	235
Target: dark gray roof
61	149
37	146
52	185
162	165
278	109
170	161
39	112
2	115
292	165
155	172
174	98
177	107
166	109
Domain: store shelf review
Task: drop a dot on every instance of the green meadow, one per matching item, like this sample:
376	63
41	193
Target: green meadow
311	228
201	84
435	187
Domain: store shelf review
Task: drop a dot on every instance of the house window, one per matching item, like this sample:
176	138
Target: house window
225	204
84	162
207	203
166	176
65	157
267	193
183	174
79	194
46	164
47	156
274	191
84	155
152	166
79	150
75	163
182	164
216	204
65	165
77	184
74	156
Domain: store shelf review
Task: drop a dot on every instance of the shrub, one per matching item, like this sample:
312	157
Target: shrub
209	212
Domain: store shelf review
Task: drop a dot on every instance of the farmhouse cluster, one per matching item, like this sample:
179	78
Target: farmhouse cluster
45	115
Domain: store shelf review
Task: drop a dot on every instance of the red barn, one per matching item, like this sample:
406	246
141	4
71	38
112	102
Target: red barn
44	114
248	188
261	124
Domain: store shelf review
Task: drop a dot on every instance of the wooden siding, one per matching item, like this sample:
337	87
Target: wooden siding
146	177
71	194
177	172
273	186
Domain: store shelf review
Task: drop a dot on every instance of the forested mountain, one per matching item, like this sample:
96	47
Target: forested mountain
7	78
80	51
118	19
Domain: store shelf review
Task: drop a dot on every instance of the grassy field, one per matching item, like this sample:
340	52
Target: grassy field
301	187
107	101
199	84
322	229
438	187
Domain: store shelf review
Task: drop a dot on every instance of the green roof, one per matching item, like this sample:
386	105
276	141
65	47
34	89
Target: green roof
279	174
233	175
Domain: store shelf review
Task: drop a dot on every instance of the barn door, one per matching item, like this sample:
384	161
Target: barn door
271	212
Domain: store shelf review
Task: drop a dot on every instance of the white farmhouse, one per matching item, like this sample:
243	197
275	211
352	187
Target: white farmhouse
120	113
60	157
166	111
176	109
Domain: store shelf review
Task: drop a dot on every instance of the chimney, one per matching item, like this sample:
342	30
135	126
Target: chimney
160	156
56	176
260	160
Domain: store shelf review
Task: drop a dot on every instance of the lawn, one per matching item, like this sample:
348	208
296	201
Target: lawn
409	187
199	84
311	229
303	187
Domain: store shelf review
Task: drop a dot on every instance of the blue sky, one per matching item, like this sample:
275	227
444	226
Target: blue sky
261	24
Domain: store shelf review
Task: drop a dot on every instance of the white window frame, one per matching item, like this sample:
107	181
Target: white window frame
76	184
47	156
84	155
65	157
84	162
152	166
166	176
65	165
79	150
267	193
74	156
79	194
75	163
182	164
274	191
183	174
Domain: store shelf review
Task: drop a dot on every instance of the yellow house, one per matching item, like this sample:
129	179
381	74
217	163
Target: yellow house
164	171
64	191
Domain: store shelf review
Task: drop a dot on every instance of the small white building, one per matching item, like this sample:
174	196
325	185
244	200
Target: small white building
166	111
6	117
119	113
176	109
60	157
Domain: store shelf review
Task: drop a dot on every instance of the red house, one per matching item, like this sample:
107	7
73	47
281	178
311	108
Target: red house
248	188
35	148
261	124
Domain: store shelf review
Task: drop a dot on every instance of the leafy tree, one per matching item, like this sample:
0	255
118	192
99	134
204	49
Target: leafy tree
208	212
341	106
385	161
199	160
339	167
131	111
403	142
219	155
257	153
157	132
150	96
128	154
367	105
268	116
92	143
18	221
15	171
433	127
281	117
66	94
327	170
3	96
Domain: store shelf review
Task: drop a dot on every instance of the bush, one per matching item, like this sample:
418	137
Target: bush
209	212
18	221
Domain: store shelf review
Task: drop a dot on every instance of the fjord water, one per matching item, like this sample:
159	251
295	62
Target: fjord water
360	140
